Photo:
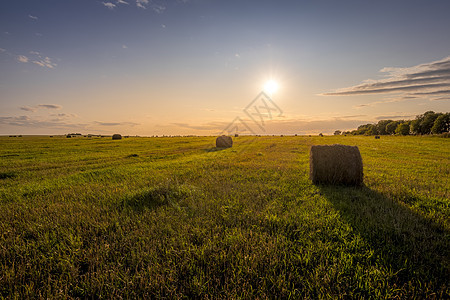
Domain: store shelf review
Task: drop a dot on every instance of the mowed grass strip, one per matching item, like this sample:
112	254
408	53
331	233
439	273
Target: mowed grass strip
175	217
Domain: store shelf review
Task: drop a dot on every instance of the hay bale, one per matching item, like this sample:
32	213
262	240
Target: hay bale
377	137
224	142
116	136
335	164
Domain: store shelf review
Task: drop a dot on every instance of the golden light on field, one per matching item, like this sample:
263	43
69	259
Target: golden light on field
271	87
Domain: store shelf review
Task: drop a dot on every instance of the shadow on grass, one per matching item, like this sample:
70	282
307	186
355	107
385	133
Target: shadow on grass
6	175
214	149
154	197
414	247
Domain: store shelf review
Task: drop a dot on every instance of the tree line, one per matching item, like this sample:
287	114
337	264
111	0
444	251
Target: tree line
427	123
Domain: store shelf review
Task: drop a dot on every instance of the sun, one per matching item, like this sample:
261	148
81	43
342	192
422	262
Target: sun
271	87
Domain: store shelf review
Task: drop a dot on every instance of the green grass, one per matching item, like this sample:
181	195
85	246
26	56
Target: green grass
174	217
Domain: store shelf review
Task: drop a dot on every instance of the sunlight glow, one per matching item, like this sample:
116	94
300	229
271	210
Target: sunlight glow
271	87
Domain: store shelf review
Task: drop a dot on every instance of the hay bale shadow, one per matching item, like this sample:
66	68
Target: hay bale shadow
414	247
214	149
154	197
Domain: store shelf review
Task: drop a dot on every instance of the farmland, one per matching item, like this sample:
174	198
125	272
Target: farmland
176	217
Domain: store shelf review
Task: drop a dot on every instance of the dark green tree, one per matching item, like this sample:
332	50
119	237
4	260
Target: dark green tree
366	129
441	124
428	121
381	126
403	128
391	127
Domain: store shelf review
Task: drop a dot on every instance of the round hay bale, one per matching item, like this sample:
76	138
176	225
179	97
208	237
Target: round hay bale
377	137
224	142
116	136
335	164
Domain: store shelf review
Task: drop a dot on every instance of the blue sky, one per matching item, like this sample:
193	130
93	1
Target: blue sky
191	67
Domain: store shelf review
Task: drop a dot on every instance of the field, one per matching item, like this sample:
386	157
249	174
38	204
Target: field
175	217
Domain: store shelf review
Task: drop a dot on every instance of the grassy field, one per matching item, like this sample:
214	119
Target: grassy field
175	217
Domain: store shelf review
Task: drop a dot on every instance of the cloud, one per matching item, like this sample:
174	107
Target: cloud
124	47
116	123
49	106
404	117
202	127
158	8
142	3
45	62
109	5
35	122
39	106
64	115
33	17
2	50
427	80
22	59
288	126
442	92
37	59
389	100
27	108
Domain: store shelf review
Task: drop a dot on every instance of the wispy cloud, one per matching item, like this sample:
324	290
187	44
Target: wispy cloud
64	115
22	59
45	62
39	106
116	123
156	6
109	5
395	117
389	100
425	80
142	3
35	58
33	17
288	126
49	106
35	122
27	108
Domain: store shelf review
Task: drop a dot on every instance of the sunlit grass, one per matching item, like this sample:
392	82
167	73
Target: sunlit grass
169	217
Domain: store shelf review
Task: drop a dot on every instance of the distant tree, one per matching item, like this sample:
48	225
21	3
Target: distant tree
423	123
337	132
441	124
391	127
367	129
415	126
403	128
428	121
372	130
381	126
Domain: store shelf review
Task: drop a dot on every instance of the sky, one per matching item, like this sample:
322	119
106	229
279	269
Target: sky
198	67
